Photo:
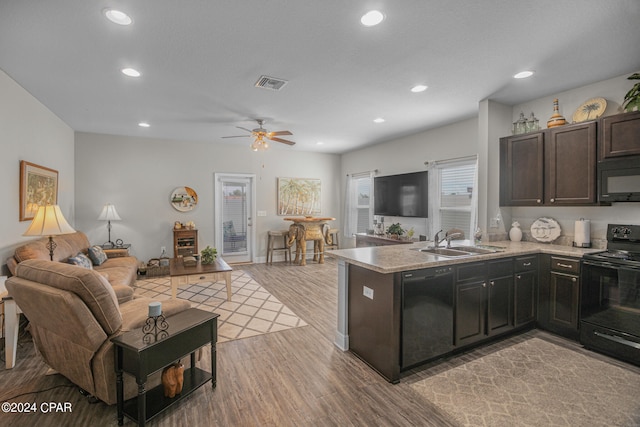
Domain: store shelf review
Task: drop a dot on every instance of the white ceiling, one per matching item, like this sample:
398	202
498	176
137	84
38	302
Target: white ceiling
200	59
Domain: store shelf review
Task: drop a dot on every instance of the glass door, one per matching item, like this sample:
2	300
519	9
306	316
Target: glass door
234	215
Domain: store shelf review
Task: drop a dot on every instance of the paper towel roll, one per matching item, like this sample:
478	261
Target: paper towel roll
582	233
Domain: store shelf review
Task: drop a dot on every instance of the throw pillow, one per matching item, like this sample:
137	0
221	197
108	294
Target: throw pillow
81	260
97	255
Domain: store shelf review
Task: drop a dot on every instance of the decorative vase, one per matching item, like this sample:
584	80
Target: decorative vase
515	234
556	119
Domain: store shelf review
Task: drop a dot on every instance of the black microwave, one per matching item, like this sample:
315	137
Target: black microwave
619	179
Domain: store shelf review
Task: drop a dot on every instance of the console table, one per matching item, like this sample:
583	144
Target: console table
188	331
309	228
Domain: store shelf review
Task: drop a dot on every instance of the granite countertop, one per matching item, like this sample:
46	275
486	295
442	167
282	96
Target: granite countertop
396	258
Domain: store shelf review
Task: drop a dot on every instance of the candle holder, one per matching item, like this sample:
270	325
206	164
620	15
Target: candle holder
155	327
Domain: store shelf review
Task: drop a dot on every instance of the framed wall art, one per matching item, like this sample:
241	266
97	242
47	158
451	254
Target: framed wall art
38	187
298	196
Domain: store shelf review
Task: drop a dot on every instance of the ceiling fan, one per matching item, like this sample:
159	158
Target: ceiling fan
262	135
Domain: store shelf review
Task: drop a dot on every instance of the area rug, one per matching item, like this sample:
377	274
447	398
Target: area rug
252	310
536	383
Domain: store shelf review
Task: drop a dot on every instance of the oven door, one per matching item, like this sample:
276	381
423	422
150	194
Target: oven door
610	309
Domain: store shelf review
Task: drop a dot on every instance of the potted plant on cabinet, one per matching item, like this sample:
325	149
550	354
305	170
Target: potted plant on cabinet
632	98
395	231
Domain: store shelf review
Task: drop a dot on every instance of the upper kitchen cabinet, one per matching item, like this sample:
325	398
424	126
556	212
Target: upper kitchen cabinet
522	169
620	135
571	165
553	167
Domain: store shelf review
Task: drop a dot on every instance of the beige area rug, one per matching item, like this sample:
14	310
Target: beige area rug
536	383
252	310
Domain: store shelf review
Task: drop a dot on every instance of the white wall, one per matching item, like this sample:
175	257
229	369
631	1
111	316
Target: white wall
139	174
409	154
29	131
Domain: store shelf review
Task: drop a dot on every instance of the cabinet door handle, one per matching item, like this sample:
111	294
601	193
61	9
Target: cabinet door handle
552	200
526	264
484	284
493	283
574	280
559	264
538	201
518	277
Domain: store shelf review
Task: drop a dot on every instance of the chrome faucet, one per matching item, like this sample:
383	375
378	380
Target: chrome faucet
448	237
436	240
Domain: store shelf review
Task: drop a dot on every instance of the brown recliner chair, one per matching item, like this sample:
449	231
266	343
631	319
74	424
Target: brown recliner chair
73	314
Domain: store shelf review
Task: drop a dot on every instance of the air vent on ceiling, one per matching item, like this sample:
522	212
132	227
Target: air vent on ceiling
270	83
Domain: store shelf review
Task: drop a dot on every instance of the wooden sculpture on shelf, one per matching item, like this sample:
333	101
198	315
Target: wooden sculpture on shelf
172	379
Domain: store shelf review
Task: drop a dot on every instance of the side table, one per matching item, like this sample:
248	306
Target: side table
187	332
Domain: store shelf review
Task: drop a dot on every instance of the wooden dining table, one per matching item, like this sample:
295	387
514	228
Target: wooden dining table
306	228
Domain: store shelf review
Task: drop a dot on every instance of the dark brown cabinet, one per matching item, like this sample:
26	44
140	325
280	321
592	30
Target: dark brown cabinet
553	167
560	295
620	135
522	170
571	165
525	290
483	300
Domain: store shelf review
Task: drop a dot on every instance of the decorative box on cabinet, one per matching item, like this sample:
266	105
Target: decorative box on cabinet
185	242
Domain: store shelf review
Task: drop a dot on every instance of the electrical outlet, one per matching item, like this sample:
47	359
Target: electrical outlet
163	249
367	292
494	222
262	213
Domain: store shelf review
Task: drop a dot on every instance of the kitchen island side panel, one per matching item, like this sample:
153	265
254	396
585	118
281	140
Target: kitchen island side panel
374	320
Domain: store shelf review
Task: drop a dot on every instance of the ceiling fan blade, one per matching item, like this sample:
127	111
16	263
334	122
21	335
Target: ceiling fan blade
237	136
281	132
284	141
248	130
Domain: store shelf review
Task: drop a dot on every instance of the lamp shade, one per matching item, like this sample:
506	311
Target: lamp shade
49	221
109	213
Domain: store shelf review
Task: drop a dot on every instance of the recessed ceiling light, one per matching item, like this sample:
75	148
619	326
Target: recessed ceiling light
131	72
319	143
144	124
523	75
371	18
419	88
378	120
117	17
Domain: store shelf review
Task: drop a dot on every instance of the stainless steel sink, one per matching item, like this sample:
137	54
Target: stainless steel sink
476	249
445	252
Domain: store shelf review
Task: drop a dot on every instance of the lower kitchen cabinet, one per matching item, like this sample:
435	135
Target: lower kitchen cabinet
525	290
560	295
483	300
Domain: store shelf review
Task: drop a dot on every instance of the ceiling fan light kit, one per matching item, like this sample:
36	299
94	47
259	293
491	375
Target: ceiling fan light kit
261	136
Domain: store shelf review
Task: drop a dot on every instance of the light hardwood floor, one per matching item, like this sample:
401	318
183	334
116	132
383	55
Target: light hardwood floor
290	378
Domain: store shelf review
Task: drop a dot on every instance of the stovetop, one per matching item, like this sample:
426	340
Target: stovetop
623	245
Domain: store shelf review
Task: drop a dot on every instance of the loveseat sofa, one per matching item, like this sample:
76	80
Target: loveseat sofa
73	314
119	269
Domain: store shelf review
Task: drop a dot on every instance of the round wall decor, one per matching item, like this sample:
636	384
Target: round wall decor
545	230
184	199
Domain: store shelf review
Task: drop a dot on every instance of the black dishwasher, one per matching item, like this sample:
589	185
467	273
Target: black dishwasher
427	314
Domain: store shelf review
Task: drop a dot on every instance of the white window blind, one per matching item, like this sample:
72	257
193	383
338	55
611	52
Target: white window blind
453	184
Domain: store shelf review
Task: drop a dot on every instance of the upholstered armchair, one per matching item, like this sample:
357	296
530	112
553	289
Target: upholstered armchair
73	314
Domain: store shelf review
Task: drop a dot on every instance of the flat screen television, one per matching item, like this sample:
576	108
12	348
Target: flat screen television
401	195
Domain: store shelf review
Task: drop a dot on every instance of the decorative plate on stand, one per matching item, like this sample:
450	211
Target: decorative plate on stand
590	110
184	199
545	230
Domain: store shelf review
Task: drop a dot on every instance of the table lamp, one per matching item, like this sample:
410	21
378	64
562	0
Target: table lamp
109	214
49	221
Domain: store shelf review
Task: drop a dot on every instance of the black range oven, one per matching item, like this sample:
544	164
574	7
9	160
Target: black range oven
610	297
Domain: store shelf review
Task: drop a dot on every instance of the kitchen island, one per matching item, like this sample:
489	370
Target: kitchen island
458	301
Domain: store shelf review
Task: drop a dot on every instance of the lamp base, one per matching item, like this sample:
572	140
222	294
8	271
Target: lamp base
51	245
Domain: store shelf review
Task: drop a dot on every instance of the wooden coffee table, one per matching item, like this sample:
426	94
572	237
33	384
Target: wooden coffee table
181	275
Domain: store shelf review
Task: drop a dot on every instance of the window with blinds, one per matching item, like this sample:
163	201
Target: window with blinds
363	203
456	205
